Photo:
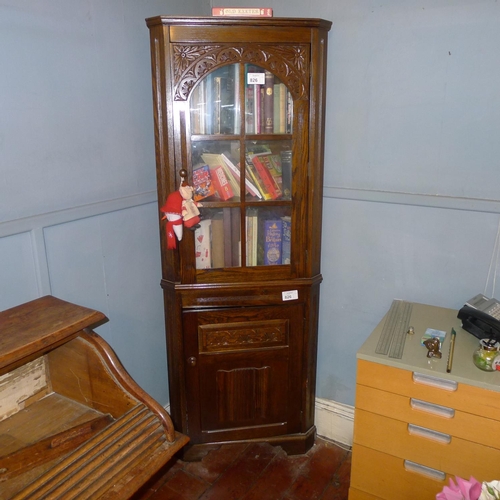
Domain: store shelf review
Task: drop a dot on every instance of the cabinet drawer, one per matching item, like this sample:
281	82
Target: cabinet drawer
422	445
464	397
439	418
391	478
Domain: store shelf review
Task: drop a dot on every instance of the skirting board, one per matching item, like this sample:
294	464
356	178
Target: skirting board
334	421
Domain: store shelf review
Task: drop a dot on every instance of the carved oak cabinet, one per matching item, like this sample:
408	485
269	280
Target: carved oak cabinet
239	116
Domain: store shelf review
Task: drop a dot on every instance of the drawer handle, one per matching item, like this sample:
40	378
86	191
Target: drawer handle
440	437
440	383
442	411
425	471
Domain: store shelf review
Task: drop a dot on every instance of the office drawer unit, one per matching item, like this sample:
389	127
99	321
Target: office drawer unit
416	425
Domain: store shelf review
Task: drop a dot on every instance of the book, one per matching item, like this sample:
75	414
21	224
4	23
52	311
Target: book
202	183
266	177
249	117
249	186
221	183
203	245
252	172
268	103
252	222
218	241
286	174
257	108
286	239
273	164
242	12
273	234
218	176
215	160
236	236
224	106
228	249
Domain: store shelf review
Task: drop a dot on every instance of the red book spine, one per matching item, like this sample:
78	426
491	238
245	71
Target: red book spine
242	12
221	183
266	177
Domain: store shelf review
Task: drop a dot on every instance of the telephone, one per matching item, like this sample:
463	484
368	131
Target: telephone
481	317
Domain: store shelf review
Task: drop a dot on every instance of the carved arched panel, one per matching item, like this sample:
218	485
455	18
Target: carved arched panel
290	63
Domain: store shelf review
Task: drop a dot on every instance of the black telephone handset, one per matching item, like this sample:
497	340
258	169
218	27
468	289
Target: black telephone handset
481	317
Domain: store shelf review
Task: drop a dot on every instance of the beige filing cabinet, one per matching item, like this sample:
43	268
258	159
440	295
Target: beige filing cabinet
416	425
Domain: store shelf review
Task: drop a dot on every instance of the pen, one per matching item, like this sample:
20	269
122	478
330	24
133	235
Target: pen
452	347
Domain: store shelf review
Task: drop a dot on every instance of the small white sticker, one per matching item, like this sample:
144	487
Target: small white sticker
290	295
256	78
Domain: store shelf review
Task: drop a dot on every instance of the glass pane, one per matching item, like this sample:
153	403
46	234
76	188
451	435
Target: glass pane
268	236
268	103
217	239
216	171
268	167
213	103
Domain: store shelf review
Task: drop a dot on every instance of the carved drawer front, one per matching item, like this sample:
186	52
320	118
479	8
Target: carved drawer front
243	335
426	446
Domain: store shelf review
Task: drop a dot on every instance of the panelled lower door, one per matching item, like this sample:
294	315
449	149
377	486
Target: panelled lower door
243	367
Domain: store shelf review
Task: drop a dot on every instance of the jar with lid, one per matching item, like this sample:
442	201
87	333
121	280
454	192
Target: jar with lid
484	356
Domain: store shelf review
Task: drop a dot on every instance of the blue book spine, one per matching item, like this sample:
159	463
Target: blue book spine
273	231
286	240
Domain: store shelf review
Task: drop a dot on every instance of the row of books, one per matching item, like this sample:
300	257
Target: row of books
268	106
267	176
214	105
214	108
217	240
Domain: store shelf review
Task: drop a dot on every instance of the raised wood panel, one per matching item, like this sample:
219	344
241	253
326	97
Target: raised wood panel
243	335
243	394
249	389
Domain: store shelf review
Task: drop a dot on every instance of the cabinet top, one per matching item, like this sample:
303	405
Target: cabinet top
415	358
239	21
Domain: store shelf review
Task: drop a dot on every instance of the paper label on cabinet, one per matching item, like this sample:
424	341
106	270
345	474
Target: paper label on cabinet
290	295
256	78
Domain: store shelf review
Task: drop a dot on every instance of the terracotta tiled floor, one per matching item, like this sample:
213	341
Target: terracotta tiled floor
256	471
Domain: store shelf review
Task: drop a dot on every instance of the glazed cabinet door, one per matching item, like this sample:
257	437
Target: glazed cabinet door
242	143
243	369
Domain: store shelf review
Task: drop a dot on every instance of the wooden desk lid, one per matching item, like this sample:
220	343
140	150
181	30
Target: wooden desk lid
29	330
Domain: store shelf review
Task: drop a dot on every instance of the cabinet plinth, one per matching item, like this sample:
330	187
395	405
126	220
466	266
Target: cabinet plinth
239	123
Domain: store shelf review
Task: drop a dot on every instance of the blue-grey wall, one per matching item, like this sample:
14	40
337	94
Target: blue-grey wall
412	173
78	208
411	208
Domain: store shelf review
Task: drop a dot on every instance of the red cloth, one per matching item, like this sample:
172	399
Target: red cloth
171	238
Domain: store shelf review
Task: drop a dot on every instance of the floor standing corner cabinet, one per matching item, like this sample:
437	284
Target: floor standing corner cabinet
239	115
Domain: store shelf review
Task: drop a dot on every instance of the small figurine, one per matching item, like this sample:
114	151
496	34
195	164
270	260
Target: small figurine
433	345
190	212
180	210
